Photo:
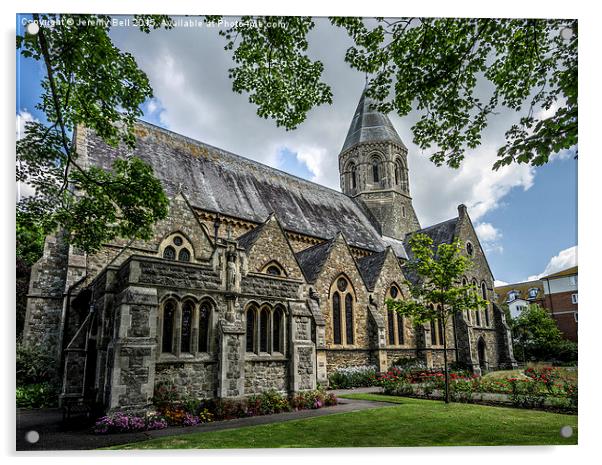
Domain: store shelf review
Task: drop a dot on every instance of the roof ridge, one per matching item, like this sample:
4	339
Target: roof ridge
240	157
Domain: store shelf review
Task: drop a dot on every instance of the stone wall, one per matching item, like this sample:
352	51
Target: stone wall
195	379
336	359
264	375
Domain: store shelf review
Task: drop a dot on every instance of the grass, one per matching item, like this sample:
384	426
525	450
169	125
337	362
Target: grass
412	422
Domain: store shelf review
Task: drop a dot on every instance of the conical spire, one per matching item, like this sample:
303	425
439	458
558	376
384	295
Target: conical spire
369	125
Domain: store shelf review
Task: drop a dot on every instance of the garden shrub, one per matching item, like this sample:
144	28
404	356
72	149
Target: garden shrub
34	365
352	377
39	395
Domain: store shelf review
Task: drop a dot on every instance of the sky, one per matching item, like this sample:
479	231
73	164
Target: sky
526	217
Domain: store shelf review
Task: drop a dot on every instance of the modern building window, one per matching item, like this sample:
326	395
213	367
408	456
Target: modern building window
574	298
167	336
533	292
512	295
576	317
573	280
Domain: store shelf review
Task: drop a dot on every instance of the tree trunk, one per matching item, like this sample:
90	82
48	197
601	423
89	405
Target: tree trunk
445	359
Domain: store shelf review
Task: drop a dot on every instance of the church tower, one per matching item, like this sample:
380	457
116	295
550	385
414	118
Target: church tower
373	165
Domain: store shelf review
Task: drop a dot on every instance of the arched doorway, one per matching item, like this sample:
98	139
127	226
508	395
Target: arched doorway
482	355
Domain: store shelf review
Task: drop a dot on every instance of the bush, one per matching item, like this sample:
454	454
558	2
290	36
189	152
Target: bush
34	365
346	378
267	403
39	395
408	364
121	422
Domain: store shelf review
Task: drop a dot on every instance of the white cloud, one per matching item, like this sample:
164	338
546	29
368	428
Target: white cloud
23	117
566	258
499	283
188	70
490	237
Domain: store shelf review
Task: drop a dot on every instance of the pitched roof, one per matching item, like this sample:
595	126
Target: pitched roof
568	272
369	125
441	232
371	266
313	258
249	238
219	181
522	289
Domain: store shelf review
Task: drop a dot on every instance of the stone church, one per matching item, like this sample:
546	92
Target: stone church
256	280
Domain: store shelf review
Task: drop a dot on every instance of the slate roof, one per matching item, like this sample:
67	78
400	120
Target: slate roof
369	125
312	259
219	181
249	238
371	266
440	233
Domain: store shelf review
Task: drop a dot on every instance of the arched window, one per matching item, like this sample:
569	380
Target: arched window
169	253
391	326
433	333
349	318
264	328
273	270
395	321
176	246
186	327
467	312
353	176
483	290
167	336
375	170
277	330
184	255
400	330
251	323
204	315
398	173
336	318
469	249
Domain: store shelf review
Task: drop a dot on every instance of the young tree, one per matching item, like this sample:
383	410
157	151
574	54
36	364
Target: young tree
456	72
90	82
438	292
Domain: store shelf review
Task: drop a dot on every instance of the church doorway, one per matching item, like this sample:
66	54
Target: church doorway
483	364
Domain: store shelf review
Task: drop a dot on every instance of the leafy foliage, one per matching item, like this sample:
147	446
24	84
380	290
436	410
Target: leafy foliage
438	292
34	364
89	83
38	395
273	67
538	337
432	65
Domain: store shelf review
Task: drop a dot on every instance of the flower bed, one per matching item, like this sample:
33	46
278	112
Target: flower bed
171	410
539	388
352	377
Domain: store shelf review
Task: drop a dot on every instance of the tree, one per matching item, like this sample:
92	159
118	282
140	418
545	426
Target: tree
539	338
432	65
92	83
438	292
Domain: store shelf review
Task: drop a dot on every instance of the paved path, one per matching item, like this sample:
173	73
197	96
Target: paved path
55	436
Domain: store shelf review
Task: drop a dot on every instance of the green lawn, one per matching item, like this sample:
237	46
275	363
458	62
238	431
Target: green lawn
414	422
568	374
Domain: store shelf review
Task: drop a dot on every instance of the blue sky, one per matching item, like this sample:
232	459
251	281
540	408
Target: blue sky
523	227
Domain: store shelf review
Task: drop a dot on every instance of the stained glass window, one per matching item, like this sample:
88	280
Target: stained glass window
169	313
336	318
186	333
349	318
